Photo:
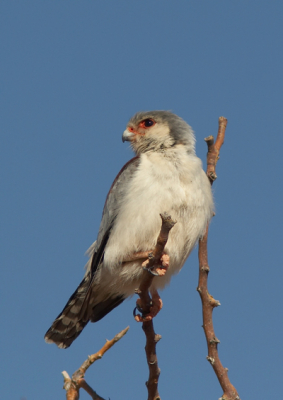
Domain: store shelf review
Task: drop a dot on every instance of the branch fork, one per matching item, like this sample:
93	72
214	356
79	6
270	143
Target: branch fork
74	384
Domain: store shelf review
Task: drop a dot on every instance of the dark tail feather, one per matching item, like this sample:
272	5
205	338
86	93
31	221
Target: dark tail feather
104	307
71	321
79	309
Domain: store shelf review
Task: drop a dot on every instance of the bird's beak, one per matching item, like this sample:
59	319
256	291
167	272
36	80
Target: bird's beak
127	135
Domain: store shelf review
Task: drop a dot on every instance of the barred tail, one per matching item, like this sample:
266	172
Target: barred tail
79	310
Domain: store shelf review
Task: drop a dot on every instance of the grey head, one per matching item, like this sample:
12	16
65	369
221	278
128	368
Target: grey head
158	131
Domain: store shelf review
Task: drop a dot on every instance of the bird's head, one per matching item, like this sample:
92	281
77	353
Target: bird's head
158	131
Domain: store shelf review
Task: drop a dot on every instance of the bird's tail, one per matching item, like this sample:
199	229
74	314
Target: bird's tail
79	310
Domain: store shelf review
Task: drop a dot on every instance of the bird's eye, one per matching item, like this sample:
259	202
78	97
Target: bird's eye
147	123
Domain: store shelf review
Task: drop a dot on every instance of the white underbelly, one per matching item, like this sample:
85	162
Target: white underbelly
184	194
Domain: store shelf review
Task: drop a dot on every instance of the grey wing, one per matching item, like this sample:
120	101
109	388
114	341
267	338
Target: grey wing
111	209
82	306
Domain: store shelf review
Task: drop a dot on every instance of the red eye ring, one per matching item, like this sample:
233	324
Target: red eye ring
147	123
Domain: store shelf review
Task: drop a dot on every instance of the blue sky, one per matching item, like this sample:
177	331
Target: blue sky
72	74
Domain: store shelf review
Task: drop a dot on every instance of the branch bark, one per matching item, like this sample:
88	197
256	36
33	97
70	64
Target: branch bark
208	302
151	337
73	385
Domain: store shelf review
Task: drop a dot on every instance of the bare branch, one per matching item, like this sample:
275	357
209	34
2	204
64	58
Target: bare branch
89	390
145	302
73	385
150	350
214	149
94	357
208	302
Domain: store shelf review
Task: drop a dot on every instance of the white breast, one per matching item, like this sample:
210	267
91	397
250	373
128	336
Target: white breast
173	182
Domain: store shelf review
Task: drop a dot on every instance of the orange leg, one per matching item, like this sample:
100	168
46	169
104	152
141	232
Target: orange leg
160	269
141	255
157	304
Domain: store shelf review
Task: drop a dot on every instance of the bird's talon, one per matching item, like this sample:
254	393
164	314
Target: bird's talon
134	312
137	317
159	269
151	271
138	307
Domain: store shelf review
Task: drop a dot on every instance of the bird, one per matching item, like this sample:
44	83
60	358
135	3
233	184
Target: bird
164	176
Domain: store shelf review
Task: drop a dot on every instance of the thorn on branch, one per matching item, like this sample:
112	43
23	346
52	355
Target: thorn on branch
157	338
205	268
211	360
213	302
213	176
214	340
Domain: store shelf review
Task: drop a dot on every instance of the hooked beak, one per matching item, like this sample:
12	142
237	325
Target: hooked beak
127	136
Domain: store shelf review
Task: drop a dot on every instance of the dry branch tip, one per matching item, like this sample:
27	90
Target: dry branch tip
73	385
208	302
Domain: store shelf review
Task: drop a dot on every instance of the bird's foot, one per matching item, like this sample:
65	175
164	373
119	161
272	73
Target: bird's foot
162	266
156	305
159	269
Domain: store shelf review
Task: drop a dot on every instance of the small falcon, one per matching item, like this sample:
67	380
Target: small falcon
164	176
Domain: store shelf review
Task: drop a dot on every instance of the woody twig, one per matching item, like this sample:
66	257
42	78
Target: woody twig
145	304
208	302
74	384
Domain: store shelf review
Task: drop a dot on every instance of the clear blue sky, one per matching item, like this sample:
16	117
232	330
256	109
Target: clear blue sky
72	74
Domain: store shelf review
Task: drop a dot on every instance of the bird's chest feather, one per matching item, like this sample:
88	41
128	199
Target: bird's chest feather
171	183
